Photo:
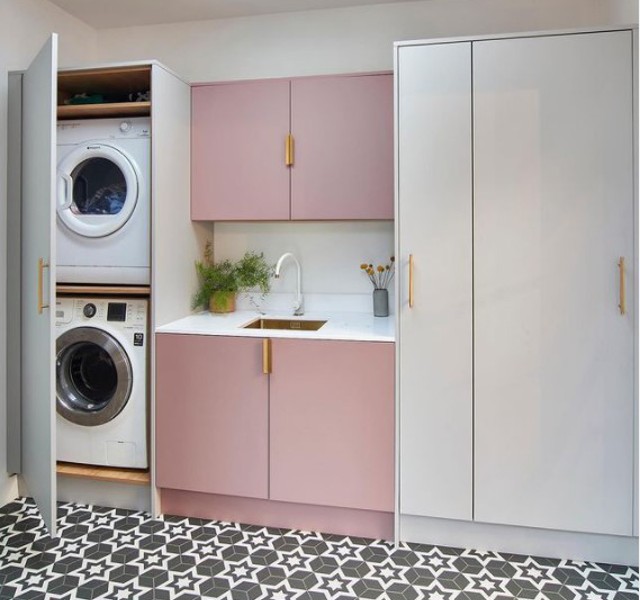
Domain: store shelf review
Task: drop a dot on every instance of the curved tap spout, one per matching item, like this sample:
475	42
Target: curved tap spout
298	304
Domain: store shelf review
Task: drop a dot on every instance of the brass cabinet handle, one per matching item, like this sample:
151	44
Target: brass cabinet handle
288	151
266	356
42	265
623	301
410	280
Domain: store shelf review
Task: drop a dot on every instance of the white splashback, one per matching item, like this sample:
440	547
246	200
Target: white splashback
330	254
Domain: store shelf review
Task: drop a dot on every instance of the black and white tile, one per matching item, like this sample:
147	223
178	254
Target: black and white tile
120	555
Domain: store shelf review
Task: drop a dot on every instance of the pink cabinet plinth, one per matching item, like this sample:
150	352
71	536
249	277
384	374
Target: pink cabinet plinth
332	423
212	415
238	134
343	130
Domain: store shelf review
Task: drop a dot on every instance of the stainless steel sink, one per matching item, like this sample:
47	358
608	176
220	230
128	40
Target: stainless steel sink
294	324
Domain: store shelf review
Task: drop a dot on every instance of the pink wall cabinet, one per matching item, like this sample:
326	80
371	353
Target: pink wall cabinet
343	131
332	423
315	148
212	402
238	135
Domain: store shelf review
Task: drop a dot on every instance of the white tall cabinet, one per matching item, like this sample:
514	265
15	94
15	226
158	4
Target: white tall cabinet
515	203
435	234
34	326
176	243
553	205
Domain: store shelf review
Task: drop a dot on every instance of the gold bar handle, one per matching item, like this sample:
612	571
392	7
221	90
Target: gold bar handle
623	301
266	356
410	280
42	265
288	151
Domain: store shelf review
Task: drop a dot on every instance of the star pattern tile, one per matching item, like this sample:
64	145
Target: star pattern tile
118	554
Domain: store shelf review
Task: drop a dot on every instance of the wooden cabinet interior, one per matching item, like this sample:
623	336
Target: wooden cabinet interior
113	474
116	83
102	290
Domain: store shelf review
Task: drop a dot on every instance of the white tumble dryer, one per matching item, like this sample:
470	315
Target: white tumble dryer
103	201
101	381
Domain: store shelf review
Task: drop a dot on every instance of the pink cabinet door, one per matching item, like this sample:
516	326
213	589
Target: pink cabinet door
212	420
343	130
332	423
238	134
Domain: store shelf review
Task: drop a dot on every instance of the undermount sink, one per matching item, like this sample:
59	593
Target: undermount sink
295	324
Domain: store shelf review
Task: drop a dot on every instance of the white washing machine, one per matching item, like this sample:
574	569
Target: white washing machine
103	201
101	381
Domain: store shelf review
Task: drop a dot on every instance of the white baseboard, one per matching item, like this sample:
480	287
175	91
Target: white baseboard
520	540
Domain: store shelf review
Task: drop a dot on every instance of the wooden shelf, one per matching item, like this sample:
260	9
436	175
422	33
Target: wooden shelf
94	111
113	474
106	79
65	289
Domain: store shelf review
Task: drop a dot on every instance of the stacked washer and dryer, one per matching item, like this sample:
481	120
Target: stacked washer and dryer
103	239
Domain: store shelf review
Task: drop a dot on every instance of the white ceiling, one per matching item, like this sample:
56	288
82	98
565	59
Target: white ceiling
102	14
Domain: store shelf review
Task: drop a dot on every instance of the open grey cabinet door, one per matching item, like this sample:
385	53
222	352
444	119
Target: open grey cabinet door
37	264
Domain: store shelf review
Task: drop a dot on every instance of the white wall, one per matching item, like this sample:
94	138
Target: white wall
340	40
24	26
334	41
330	253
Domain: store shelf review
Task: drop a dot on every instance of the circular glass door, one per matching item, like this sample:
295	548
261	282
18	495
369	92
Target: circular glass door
97	190
93	376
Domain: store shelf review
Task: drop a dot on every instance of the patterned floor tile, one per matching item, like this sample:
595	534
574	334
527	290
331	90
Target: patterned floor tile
114	554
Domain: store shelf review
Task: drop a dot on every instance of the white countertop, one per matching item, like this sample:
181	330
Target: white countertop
353	326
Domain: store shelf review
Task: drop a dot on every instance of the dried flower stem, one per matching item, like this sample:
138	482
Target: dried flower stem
381	275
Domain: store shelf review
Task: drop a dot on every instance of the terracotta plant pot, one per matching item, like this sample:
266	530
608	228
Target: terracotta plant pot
222	302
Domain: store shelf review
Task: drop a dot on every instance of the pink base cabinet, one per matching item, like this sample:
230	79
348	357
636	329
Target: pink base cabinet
332	423
212	415
309	446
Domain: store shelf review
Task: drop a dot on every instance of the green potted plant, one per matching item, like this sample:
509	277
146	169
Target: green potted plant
220	282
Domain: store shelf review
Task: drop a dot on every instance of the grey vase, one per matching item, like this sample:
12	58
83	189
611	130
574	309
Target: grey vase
380	303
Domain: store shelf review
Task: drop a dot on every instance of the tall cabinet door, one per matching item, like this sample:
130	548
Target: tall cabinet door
343	128
435	329
238	135
38	280
553	192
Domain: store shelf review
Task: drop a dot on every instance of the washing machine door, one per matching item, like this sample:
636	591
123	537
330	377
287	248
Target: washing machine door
97	189
93	376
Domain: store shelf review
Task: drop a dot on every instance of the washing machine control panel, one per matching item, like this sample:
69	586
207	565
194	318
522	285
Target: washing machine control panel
129	313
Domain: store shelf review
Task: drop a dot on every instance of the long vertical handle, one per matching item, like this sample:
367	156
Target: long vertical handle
288	150
410	280
623	301
266	356
42	265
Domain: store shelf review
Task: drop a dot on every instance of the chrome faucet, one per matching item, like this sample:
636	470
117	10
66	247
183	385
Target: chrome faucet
297	305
